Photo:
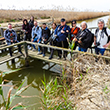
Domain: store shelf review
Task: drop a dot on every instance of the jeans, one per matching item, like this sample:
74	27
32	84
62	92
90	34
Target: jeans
10	49
82	49
99	50
35	40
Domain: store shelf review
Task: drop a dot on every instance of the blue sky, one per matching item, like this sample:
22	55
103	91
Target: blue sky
94	5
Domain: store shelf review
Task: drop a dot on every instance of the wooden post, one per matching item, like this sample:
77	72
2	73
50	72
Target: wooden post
2	32
26	55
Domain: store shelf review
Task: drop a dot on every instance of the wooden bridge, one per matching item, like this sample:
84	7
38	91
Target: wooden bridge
32	54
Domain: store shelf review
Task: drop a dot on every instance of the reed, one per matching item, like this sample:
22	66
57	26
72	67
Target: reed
16	15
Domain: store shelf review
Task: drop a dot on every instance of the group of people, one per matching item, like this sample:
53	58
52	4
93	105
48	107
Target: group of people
60	35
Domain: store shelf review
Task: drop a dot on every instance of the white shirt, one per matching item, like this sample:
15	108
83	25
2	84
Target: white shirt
102	38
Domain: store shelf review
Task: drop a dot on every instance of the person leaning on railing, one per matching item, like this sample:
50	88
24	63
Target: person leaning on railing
84	38
102	37
36	35
27	31
11	37
61	32
45	37
74	32
52	40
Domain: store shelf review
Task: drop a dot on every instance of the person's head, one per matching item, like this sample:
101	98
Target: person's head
74	23
9	26
32	18
63	22
101	23
54	25
35	23
25	22
83	25
44	25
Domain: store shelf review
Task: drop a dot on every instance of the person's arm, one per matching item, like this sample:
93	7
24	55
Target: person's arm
32	33
55	33
39	34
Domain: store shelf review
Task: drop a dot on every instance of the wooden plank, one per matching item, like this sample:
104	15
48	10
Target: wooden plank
8	58
46	58
68	50
22	42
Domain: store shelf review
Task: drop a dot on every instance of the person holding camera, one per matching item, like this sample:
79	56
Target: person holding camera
61	32
84	38
11	37
52	40
45	37
36	35
102	37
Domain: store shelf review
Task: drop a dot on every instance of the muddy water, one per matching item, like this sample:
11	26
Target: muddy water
33	74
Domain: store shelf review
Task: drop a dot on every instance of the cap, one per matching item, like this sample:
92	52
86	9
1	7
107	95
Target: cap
62	20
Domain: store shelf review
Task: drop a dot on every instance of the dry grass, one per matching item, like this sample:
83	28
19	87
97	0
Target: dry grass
14	15
90	83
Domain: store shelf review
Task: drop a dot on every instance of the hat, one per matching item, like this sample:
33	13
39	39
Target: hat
62	20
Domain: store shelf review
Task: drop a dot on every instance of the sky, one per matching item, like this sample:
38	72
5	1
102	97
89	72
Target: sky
79	5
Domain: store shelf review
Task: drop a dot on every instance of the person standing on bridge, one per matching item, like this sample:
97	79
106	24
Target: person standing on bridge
61	33
74	32
31	22
52	40
11	37
84	38
27	31
45	37
36	35
102	37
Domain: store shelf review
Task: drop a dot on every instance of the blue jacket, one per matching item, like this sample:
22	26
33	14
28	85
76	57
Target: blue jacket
62	36
38	31
8	37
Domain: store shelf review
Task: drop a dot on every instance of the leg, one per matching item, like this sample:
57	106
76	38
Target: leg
39	46
59	51
10	50
51	50
65	45
102	51
79	48
76	44
35	40
97	50
83	50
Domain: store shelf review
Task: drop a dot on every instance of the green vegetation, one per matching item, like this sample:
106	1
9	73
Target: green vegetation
8	102
55	95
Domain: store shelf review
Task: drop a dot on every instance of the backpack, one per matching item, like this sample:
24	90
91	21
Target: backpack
105	31
92	39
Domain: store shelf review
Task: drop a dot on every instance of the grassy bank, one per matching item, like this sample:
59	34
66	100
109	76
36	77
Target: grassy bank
15	15
85	87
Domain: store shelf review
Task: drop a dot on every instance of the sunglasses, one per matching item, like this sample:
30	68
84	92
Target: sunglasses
73	23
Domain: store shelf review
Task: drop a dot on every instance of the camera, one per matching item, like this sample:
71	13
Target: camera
34	36
97	44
